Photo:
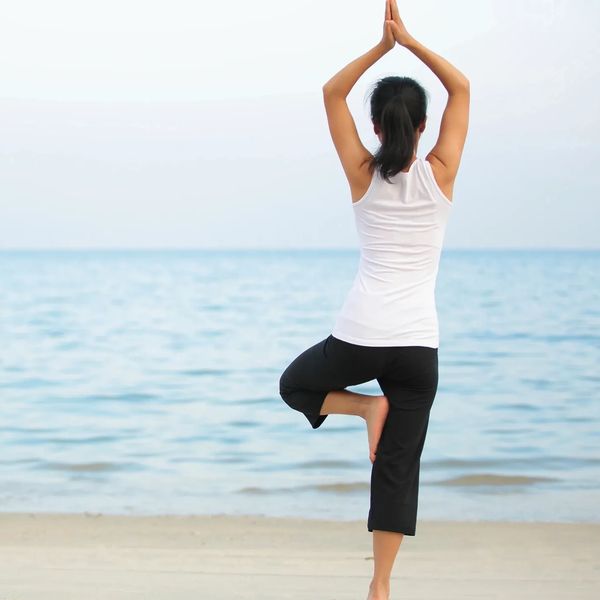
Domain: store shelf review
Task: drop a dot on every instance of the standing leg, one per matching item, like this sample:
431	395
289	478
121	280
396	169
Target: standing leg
410	383
385	549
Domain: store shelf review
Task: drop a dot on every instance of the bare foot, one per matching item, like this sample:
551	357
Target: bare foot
375	416
378	592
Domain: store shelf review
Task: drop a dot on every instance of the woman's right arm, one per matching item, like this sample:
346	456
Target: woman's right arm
447	152
452	79
445	155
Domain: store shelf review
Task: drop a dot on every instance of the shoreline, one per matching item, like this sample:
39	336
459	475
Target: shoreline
98	556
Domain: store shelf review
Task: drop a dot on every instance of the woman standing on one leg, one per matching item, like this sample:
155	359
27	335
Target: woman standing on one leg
387	328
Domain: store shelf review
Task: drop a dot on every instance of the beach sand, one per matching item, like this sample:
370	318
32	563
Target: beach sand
108	557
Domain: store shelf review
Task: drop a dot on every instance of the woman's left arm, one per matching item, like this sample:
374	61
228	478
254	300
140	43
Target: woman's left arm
349	147
341	83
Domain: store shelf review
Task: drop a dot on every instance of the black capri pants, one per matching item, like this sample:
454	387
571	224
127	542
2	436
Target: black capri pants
408	377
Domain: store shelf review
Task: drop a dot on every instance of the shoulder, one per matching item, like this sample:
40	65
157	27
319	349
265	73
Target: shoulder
444	180
360	180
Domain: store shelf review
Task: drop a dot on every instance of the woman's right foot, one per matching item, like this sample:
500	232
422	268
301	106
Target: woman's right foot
375	416
378	592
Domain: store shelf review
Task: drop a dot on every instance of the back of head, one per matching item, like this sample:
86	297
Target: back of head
398	107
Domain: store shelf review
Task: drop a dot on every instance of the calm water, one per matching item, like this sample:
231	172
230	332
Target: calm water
147	382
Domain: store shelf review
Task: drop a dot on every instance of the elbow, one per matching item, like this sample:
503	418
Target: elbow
329	92
461	87
330	89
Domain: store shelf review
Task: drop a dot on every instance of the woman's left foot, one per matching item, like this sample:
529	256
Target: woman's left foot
376	414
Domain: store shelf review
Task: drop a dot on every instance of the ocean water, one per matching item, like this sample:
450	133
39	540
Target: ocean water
145	382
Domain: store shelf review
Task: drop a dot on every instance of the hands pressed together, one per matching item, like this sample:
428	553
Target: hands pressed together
394	30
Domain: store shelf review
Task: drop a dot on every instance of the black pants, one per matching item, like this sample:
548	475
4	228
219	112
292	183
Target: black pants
408	377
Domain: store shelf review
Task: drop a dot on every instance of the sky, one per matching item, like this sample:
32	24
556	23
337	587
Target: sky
187	124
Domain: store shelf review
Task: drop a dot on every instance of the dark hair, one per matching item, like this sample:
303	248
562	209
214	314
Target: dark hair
398	106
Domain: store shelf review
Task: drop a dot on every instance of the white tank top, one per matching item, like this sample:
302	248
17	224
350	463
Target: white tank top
401	228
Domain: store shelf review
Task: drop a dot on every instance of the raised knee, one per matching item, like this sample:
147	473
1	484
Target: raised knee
285	387
287	391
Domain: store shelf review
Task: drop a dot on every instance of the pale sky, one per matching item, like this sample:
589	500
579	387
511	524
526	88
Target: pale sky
187	124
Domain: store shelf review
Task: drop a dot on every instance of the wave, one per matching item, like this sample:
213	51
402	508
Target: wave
492	479
338	488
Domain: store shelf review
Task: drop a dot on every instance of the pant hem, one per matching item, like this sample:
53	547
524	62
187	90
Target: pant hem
404	530
315	420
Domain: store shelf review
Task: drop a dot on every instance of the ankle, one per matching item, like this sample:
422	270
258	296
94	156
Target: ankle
364	409
370	406
378	585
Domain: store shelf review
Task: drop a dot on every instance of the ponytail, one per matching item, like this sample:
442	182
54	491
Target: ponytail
398	107
398	138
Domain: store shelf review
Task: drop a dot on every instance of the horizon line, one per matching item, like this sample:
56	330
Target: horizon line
279	249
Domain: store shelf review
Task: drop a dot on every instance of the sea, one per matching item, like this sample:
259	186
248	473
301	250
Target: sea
146	382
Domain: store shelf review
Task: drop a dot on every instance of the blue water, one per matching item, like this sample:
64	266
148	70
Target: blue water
141	382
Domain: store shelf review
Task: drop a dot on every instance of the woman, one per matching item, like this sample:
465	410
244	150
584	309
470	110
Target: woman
387	328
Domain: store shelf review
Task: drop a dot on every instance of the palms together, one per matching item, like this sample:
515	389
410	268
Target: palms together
394	30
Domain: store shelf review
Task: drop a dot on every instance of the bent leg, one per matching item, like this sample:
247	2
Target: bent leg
305	383
327	366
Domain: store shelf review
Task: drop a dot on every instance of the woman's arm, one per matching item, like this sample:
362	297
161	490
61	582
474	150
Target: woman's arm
452	79
343	81
348	145
446	153
351	151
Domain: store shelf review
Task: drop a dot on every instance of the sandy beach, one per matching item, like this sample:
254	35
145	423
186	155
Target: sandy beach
94	556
